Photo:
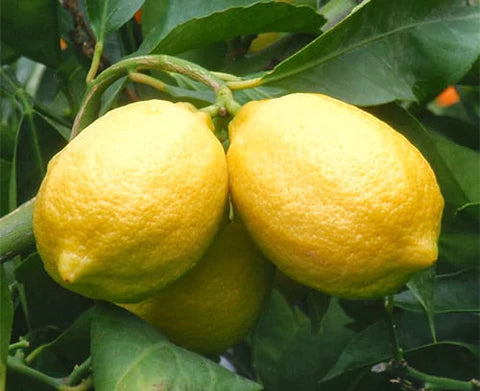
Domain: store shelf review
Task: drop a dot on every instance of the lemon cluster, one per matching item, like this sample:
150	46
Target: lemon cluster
134	209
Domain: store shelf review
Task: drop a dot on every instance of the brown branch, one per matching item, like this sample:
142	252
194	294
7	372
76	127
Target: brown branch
82	35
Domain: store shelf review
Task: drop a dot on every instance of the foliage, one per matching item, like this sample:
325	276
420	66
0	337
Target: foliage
391	57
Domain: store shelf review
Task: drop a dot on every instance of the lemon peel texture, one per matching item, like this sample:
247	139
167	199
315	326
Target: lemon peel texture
214	305
336	198
133	202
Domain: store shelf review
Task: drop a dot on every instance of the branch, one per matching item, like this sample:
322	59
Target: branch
91	102
16	365
400	370
16	231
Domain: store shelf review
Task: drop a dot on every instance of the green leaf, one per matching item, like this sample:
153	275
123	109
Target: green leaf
422	287
129	354
372	344
227	24
457	292
6	319
37	142
30	28
161	17
458	131
464	165
47	303
470	211
111	95
385	51
106	16
452	360
336	10
70	348
287	354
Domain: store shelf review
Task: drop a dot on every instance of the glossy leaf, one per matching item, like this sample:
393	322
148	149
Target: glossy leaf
287	354
456	130
470	211
106	16
372	344
6	319
452	360
457	292
261	18
336	10
161	17
30	28
386	51
422	286
128	354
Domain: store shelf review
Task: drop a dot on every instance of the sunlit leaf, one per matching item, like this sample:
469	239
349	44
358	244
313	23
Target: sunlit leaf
128	354
386	51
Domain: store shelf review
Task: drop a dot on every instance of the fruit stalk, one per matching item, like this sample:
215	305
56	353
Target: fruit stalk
90	106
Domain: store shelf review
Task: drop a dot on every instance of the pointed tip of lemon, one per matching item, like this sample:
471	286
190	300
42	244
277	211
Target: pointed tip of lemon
71	267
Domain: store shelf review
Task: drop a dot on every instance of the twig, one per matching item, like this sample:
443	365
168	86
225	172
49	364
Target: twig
82	35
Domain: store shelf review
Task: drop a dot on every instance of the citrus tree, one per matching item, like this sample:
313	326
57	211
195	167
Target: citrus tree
229	323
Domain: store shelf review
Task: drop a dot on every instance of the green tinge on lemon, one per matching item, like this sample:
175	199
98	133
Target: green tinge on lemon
214	305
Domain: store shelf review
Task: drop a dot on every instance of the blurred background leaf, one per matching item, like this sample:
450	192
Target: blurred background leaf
106	16
30	28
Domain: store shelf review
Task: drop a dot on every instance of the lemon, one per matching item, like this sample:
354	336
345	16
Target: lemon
336	198
133	202
262	41
214	305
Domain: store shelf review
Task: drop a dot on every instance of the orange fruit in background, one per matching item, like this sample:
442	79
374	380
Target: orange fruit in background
448	97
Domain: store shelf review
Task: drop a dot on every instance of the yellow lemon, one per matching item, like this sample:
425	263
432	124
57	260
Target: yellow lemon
214	305
133	202
336	198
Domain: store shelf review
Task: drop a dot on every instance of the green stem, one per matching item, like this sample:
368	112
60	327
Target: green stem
83	386
91	102
432	383
212	110
23	343
33	355
225	99
79	372
225	76
396	349
244	84
138	77
16	231
15	365
97	56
